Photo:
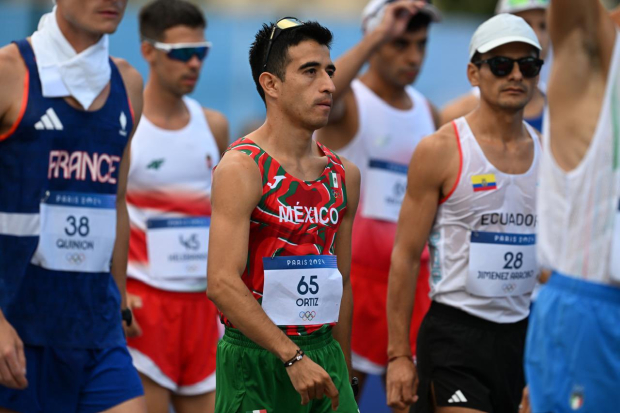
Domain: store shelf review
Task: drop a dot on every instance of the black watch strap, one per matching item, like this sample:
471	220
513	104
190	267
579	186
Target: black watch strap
298	356
127	316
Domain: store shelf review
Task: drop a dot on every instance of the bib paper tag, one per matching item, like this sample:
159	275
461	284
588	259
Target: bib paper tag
178	247
614	265
502	265
384	190
78	231
302	290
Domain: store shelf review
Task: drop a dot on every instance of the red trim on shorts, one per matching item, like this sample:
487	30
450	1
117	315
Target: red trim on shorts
458	177
22	110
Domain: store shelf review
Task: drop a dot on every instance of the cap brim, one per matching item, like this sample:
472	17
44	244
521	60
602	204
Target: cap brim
505	40
433	12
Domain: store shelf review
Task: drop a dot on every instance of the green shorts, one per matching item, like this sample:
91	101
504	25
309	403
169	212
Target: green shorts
249	378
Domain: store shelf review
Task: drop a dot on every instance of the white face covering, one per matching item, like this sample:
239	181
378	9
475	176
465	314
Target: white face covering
63	72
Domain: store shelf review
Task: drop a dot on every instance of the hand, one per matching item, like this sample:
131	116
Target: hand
402	383
134	330
524	407
312	382
12	358
396	17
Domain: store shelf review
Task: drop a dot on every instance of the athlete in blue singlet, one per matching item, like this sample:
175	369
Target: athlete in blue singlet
67	112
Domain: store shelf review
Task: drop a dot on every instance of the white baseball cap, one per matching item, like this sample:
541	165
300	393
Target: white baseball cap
499	30
374	10
516	6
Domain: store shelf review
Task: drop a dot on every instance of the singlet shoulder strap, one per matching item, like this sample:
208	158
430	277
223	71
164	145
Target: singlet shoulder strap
336	162
249	148
27	53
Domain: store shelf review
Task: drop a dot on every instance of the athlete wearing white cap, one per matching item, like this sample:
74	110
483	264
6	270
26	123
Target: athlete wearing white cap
378	120
572	353
534	12
472	194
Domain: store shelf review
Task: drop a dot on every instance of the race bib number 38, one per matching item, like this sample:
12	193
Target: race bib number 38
78	231
384	190
501	264
302	290
178	247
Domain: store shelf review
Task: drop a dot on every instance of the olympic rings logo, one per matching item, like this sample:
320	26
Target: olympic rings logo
75	258
307	315
508	288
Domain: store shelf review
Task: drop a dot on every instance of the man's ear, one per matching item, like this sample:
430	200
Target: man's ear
148	51
270	84
473	74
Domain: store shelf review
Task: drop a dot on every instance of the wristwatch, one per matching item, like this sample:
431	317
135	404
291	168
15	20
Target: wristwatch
127	316
355	386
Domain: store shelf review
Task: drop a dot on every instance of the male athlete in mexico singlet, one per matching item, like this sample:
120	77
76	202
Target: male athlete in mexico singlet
295	218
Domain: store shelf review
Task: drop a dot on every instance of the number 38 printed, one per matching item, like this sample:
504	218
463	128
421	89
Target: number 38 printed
312	287
77	227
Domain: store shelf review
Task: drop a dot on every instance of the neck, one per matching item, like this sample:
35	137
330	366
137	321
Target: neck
392	94
79	39
502	124
284	137
160	103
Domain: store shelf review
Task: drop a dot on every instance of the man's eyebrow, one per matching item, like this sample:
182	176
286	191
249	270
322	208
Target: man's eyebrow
316	64
308	65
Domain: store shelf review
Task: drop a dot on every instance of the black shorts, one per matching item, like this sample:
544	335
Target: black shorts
470	362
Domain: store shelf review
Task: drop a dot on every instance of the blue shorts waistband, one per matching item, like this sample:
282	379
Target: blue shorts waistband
585	288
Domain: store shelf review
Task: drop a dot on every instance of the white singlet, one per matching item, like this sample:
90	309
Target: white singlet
579	235
382	148
168	198
483	241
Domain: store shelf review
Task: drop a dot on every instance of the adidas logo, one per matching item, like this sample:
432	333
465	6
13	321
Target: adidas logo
457	397
49	121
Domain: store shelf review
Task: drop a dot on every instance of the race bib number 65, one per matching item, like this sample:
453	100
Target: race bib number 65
302	290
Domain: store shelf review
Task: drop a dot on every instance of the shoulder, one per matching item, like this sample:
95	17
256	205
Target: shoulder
131	77
12	66
352	172
219	127
458	107
133	84
238	170
437	150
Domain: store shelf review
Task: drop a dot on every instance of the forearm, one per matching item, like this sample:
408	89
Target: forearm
239	305
349	64
402	284
342	330
121	247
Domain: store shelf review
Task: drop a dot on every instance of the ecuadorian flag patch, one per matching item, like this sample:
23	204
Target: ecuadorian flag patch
484	182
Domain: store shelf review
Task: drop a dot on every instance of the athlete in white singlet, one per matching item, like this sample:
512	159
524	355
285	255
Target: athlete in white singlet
572	352
377	123
177	144
534	12
472	194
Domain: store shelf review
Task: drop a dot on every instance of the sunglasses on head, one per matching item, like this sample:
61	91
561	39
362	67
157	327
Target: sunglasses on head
281	25
183	52
502	66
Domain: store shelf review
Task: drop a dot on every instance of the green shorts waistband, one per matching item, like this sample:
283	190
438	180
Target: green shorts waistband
316	340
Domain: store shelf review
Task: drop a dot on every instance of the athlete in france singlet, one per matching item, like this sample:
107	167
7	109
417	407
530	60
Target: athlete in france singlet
293	218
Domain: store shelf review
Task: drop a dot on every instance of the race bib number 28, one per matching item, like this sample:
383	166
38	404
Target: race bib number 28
502	264
78	231
302	290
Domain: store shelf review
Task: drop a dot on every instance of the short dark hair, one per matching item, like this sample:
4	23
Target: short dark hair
161	15
278	56
419	21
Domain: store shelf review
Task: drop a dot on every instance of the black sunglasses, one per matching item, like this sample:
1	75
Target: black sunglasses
502	66
284	23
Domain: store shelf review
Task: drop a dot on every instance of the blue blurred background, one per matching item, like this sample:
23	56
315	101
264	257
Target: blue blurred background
226	84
